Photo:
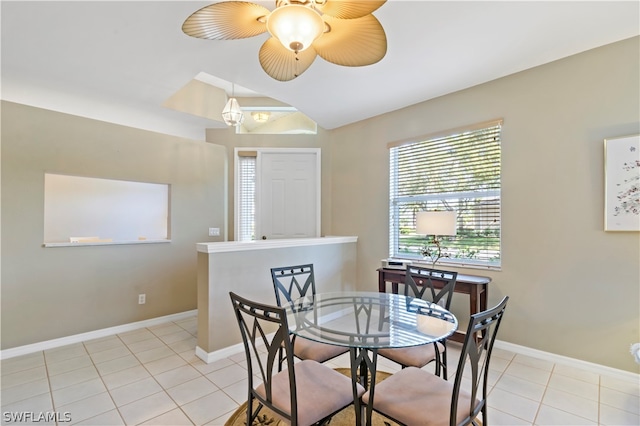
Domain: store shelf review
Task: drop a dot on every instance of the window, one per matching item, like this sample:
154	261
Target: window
458	171
246	204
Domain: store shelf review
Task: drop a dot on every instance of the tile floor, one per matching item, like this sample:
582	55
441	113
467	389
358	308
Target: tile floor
152	377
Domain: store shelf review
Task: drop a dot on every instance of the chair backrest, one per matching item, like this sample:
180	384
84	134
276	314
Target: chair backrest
257	322
433	285
293	282
474	357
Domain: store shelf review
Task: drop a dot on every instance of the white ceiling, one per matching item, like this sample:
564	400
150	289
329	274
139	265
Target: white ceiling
118	61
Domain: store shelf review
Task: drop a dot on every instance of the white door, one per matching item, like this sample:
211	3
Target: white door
288	194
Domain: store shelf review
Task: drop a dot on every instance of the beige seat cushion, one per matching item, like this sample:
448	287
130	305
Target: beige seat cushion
416	356
417	397
309	349
320	391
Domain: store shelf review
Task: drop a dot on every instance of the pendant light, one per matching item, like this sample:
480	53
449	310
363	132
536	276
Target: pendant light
231	113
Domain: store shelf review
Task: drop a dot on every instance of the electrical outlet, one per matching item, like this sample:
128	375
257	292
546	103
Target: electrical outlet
142	299
214	232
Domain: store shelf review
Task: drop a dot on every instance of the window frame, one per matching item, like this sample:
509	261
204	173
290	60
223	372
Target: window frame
396	201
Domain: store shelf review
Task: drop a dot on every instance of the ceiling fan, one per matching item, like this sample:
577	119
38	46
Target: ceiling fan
343	32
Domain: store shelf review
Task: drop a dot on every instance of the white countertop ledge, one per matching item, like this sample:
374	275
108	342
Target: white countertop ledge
229	246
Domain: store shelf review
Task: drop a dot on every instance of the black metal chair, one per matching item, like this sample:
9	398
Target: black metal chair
414	396
289	284
306	392
425	283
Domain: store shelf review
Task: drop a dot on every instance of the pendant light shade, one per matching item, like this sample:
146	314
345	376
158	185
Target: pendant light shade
295	26
231	113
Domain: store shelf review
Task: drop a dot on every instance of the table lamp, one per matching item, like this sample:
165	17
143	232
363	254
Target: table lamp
435	223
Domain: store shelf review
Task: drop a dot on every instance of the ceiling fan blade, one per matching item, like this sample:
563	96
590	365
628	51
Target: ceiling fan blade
352	42
227	20
281	63
349	9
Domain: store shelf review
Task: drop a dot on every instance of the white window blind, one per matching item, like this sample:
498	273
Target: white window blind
246	193
459	171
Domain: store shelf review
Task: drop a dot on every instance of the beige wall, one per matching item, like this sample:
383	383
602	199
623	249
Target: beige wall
574	288
49	293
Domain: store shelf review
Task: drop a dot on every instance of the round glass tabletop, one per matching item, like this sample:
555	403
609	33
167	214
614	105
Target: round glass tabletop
369	320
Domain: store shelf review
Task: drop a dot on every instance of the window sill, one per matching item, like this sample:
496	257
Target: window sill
104	243
445	264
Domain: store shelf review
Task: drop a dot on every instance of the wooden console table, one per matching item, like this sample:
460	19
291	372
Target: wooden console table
475	286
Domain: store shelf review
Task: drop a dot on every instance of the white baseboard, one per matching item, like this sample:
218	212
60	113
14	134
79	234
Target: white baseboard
96	334
214	356
572	362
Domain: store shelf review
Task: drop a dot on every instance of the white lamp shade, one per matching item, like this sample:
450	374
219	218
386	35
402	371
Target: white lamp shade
232	114
436	223
295	26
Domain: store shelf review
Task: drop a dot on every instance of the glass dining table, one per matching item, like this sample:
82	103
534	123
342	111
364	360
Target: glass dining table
366	322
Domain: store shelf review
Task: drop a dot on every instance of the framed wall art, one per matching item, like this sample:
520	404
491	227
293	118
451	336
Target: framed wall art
622	183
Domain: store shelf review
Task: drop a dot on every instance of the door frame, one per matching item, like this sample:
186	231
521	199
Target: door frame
259	151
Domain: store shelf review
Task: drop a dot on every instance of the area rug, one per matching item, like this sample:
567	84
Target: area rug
346	417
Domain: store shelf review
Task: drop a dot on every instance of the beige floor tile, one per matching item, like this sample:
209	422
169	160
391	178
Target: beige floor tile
177	376
136	336
518	406
24	391
538	363
110	354
571	403
529	373
577	373
35	404
549	416
205	368
65	352
238	391
20	363
88	407
176	337
124	377
118	364
521	387
574	386
497	417
183	345
64	366
631	387
156	353
192	390
103	344
165	364
134	391
227	376
620	400
210	407
611	416
145	345
173	418
73	377
164	329
24	376
79	391
147	408
110	418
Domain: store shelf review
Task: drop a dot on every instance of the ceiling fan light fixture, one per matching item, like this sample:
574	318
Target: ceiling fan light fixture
260	116
232	114
295	26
